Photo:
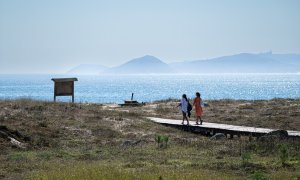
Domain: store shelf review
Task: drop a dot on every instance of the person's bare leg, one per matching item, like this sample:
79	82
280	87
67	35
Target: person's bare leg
183	118
197	120
188	123
201	120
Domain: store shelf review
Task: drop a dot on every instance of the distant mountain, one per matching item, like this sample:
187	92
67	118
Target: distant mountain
142	65
87	69
243	63
238	63
293	59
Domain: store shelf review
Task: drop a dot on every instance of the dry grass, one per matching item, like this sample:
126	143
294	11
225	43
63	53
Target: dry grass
90	141
275	113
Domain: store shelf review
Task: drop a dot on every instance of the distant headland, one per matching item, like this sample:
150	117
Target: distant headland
238	63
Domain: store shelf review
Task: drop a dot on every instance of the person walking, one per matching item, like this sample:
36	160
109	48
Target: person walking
198	109
184	108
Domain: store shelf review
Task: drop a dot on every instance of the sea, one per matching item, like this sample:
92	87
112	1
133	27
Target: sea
149	88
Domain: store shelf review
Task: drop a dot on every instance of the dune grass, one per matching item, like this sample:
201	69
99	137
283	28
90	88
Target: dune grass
100	171
93	141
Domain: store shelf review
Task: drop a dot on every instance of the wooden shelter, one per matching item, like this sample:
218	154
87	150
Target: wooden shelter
64	87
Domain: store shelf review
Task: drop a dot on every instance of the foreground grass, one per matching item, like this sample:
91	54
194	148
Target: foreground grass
100	171
192	160
91	141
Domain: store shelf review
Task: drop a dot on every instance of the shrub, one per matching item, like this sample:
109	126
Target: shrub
283	153
258	175
162	141
246	156
166	140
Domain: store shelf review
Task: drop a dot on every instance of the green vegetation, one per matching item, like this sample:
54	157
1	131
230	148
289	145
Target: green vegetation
246	158
92	141
258	175
283	153
162	141
116	171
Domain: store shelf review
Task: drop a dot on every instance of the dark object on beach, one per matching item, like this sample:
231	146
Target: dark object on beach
205	104
64	87
274	135
281	134
132	102
218	136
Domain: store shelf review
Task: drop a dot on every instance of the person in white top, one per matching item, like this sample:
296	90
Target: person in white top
184	108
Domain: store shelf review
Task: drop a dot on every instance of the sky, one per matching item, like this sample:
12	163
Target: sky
39	36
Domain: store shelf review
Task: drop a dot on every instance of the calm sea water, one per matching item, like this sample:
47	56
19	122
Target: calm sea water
115	89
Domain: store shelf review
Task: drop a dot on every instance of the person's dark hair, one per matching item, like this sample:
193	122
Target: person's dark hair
184	96
197	94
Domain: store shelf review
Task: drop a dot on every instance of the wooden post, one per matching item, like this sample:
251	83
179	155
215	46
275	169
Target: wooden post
73	92
250	137
54	92
131	96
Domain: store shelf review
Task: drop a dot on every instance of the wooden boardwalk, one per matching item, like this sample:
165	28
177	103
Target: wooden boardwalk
213	128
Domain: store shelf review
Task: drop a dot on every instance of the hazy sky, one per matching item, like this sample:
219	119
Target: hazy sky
39	36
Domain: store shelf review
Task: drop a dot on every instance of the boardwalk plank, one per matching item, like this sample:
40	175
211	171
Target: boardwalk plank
226	127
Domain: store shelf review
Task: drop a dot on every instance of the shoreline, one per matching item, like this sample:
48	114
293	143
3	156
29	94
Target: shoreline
148	102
